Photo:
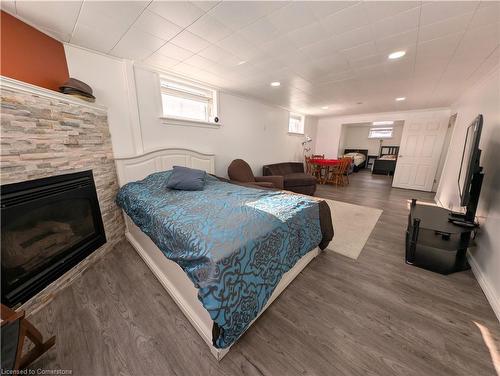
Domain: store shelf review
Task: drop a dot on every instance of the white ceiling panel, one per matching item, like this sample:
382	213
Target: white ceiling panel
238	14
323	52
101	25
346	19
174	52
56	19
8	6
182	13
210	29
161	61
291	17
190	41
448	26
378	10
156	25
137	45
436	11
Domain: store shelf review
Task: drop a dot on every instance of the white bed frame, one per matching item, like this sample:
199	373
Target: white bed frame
170	275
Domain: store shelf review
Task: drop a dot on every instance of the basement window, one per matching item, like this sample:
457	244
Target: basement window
185	102
296	124
380	132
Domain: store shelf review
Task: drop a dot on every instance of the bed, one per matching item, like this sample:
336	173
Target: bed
385	164
189	252
359	157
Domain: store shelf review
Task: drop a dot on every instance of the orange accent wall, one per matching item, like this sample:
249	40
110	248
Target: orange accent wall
31	56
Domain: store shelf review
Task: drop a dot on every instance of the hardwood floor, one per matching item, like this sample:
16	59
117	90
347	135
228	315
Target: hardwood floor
371	316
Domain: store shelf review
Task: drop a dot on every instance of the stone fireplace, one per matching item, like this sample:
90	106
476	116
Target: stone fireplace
47	141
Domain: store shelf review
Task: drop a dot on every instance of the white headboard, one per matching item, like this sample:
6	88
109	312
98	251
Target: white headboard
138	167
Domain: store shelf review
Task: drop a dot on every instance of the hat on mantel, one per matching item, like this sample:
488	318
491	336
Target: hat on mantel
77	88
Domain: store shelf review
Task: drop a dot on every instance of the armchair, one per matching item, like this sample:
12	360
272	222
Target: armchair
239	171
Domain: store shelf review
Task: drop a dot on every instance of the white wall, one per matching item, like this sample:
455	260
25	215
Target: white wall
329	132
356	137
484	99
249	129
110	81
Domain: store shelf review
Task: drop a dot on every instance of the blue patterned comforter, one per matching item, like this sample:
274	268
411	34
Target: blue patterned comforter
234	243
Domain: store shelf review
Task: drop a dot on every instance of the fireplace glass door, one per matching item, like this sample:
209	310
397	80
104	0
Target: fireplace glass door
47	227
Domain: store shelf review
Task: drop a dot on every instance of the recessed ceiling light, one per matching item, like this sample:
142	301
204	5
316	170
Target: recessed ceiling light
324	108
275	83
397	54
385	122
399	99
241	62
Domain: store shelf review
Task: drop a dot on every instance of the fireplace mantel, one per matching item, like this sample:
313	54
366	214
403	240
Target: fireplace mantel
10	83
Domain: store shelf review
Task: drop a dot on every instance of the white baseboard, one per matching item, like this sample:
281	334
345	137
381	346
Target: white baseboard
487	288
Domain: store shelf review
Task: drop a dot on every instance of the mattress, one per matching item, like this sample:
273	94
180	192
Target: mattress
358	158
233	242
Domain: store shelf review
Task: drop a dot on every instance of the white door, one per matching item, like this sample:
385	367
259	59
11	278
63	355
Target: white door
419	151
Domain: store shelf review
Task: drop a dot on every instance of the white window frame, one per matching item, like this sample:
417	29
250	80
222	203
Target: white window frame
204	90
302	122
375	129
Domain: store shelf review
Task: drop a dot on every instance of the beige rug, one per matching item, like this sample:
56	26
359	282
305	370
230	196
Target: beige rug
352	225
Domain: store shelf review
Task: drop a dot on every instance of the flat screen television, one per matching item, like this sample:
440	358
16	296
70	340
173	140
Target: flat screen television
469	164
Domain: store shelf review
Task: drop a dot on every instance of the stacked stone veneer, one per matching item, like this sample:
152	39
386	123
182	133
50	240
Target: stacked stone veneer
43	136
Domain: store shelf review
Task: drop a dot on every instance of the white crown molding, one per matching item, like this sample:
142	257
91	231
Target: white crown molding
10	83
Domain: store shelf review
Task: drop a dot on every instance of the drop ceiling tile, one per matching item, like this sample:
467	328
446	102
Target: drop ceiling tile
8	6
323	9
101	24
205	5
441	10
278	46
368	61
378	10
346	20
354	38
172	51
57	19
182	13
156	25
398	42
239	46
321	48
238	14
161	61
260	31
488	12
190	41
307	35
137	45
399	23
209	28
360	51
216	54
291	17
451	25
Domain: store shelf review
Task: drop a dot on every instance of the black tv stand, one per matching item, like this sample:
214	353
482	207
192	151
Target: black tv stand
433	242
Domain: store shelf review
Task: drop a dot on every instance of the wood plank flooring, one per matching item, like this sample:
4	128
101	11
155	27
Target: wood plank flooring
371	316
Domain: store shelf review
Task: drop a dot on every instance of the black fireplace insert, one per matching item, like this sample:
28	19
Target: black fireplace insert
48	226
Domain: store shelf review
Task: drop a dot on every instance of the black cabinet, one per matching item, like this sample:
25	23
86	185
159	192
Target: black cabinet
434	243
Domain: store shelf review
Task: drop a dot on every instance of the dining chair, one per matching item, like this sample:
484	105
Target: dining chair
338	174
318	156
313	168
15	329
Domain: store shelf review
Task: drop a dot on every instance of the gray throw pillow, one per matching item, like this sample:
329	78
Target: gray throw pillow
186	179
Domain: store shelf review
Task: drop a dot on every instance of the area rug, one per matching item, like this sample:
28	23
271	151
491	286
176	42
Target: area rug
352	225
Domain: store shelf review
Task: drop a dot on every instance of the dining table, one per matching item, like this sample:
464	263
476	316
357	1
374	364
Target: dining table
324	165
